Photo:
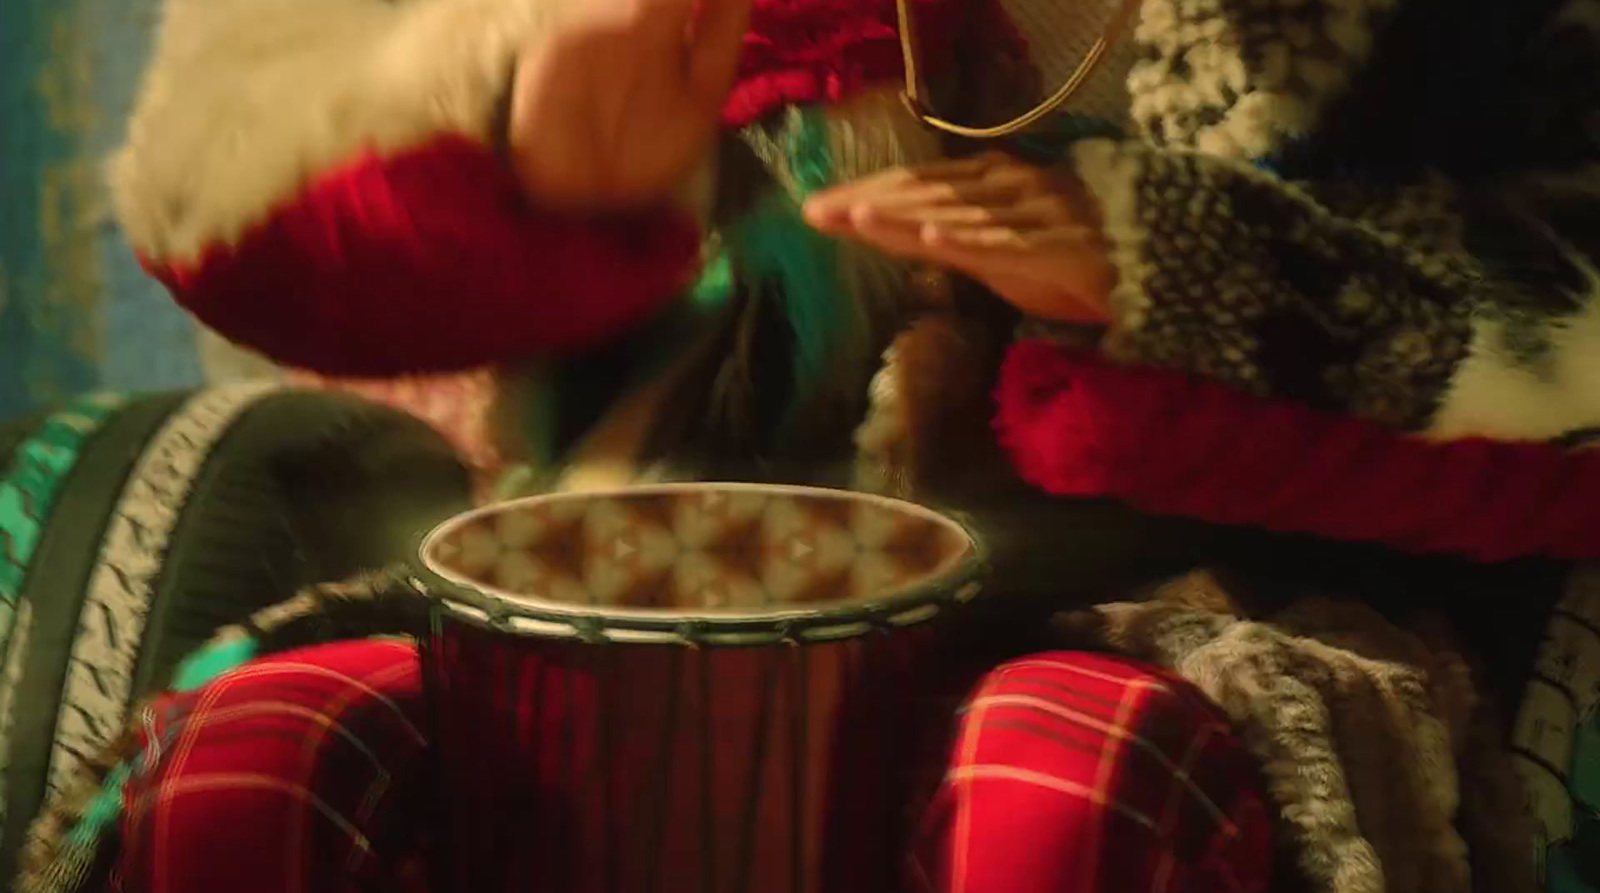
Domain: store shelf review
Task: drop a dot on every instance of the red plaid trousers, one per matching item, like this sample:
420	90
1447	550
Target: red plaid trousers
1069	773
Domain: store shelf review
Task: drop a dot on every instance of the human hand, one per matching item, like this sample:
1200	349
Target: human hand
616	101
1031	235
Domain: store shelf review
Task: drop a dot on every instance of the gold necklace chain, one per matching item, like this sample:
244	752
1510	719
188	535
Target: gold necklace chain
912	96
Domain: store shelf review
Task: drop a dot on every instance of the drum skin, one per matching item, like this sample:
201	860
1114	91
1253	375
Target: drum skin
131	528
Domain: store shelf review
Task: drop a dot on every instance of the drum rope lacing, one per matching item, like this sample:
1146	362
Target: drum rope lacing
597	627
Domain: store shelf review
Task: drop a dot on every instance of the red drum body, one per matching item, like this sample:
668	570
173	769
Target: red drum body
689	688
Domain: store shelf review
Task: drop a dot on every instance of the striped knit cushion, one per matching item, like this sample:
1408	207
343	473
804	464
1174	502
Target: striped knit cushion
87	532
130	529
1557	739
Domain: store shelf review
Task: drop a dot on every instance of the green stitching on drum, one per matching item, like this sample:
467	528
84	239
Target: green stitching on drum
29	486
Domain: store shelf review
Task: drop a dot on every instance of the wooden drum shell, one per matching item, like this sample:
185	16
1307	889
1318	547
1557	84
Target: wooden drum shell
589	747
570	766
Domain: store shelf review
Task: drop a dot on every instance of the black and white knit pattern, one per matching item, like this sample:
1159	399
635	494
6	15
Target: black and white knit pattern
1231	273
1236	78
1264	239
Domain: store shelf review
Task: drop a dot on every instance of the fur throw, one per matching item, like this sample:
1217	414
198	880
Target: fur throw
1386	765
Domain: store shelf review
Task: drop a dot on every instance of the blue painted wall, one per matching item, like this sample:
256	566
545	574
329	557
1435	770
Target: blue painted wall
76	312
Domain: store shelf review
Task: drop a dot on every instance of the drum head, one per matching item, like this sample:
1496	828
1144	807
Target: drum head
717	555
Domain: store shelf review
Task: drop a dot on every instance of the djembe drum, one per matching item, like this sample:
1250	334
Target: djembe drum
683	688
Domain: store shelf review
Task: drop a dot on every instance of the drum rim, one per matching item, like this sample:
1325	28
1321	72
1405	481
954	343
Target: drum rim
481	606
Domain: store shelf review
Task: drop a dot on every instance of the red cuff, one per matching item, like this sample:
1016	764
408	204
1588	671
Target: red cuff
431	261
1075	425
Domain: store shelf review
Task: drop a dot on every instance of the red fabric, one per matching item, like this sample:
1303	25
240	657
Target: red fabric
1077	425
805	51
1071	773
1081	772
431	261
694	744
298	773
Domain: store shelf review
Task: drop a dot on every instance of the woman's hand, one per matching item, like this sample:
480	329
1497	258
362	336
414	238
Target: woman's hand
1031	235
616	101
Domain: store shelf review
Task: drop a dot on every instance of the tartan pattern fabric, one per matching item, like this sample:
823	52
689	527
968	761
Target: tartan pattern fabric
1080	772
297	773
1070	772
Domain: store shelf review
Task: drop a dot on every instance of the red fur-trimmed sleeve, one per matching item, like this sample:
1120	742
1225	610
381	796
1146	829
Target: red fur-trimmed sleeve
1165	443
316	180
430	260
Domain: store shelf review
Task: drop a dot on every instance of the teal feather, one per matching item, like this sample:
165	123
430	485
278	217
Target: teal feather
715	284
212	661
810	157
102	811
774	247
773	244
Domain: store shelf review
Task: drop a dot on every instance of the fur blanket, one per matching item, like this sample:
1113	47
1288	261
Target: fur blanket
1387	766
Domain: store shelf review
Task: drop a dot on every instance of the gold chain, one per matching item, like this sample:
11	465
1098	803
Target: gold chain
912	97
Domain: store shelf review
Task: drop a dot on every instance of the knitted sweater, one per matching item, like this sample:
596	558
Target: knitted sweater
1369	206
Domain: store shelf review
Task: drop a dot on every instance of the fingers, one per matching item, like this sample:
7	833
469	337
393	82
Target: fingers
659	17
974	249
965	244
716	38
1050	274
928	183
1022	230
957	242
1046	302
980	213
948	191
699	39
891	236
963	220
1060	263
942	202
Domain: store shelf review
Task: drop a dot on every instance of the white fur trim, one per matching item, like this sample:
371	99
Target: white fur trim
1494	395
223	362
884	436
1111	172
246	100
